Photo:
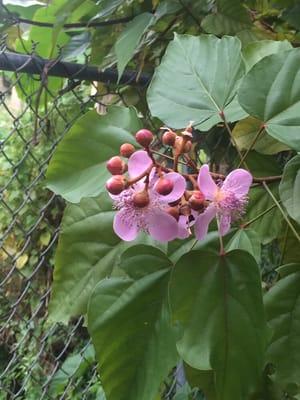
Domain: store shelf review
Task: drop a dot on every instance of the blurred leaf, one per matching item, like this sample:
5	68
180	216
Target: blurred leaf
166	7
282	304
24	3
292	16
248	240
276	103
218	300
129	321
190	83
77	168
289	188
130	38
231	17
21	261
73	366
255	51
76	46
245	132
107	7
45	238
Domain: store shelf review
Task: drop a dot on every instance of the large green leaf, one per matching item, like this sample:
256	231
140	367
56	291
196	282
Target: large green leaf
218	300
231	17
282	305
245	133
77	168
289	188
196	80
271	92
248	240
255	51
130	325
88	250
130	38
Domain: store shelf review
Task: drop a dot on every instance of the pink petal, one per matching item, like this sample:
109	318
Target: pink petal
183	227
178	189
206	183
162	226
238	182
203	220
138	163
125	229
225	221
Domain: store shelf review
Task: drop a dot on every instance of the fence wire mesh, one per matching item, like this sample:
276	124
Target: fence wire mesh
38	360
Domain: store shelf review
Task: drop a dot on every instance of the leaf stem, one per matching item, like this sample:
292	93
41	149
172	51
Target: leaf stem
222	115
246	224
282	211
251	145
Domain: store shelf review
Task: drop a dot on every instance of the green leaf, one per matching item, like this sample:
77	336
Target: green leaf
289	188
231	17
166	7
268	226
282	305
289	244
76	46
245	132
129	323
88	251
77	168
277	101
130	38
248	240
107	7
192	83
218	300
255	51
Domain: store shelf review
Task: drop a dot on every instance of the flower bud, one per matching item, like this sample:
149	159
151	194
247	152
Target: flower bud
174	211
144	137
116	184
141	199
168	138
196	201
115	165
126	150
164	186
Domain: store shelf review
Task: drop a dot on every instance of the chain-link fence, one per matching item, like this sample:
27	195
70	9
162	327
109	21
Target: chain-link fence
39	101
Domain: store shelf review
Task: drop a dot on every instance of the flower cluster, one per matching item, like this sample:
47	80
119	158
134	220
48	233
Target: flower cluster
159	200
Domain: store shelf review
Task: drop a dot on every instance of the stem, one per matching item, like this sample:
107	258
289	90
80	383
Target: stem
251	146
282	211
139	177
222	251
222	115
246	224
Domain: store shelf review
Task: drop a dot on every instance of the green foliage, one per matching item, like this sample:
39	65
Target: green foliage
277	101
289	188
208	87
283	314
150	306
77	169
136	306
219	302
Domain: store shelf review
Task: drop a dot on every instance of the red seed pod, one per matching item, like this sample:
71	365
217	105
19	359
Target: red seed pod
174	211
144	137
126	150
196	201
115	165
164	186
141	199
116	184
168	138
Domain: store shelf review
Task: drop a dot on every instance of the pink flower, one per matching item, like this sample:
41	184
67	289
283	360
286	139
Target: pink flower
153	219
227	201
